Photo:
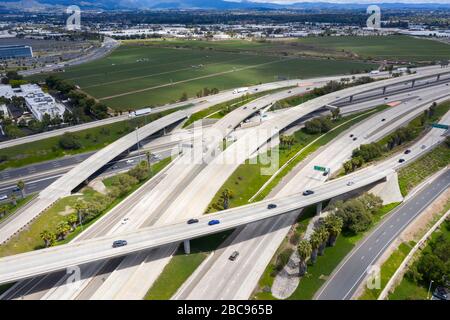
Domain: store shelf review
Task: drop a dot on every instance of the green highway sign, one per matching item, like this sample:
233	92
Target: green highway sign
440	126
319	168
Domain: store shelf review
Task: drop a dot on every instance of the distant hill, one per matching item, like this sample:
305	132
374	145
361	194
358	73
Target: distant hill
207	4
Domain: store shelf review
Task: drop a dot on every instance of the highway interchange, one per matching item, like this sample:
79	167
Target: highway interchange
163	203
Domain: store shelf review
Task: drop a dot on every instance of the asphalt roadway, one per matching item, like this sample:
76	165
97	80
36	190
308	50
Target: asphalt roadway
347	277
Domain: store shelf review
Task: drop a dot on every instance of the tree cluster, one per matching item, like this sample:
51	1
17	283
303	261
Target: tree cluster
318	125
434	263
84	107
357	213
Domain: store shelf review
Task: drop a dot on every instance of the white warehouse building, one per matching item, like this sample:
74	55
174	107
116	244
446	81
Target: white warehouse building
37	101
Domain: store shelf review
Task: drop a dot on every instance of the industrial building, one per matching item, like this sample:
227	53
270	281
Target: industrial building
15	51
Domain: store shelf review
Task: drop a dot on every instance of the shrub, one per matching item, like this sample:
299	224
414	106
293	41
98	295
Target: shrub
69	141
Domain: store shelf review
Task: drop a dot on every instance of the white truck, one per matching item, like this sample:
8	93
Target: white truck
140	112
239	90
375	72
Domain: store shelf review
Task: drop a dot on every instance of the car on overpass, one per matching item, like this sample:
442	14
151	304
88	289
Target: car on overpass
119	243
234	255
213	222
308	192
271	206
191	221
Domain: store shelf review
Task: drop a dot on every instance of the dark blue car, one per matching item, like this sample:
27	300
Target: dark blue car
213	222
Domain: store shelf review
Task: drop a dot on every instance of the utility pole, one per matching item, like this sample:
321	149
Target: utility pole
429	289
137	142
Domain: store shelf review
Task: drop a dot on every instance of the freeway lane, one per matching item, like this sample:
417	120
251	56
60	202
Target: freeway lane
33	263
346	279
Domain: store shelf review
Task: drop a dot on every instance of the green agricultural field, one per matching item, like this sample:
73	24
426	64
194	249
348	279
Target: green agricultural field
401	48
135	75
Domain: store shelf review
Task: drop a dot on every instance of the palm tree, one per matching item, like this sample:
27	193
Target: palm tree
304	252
48	237
21	186
62	229
226	195
3	210
333	224
324	239
80	208
148	155
14	200
72	220
315	240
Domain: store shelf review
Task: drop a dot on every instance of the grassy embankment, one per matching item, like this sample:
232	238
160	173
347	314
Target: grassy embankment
409	289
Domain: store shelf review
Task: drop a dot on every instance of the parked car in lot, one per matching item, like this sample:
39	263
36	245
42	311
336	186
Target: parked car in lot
271	206
191	221
234	255
407	151
119	243
308	192
213	222
401	160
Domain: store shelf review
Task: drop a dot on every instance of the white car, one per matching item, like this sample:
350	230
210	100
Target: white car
3	197
125	220
130	161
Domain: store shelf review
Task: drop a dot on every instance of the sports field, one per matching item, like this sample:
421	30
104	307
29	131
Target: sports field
135	76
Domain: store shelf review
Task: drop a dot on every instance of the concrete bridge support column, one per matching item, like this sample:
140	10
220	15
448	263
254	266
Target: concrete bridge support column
384	90
319	209
438	77
413	83
351	98
187	246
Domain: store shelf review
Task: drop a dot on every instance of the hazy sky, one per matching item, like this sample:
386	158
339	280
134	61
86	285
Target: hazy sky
355	1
